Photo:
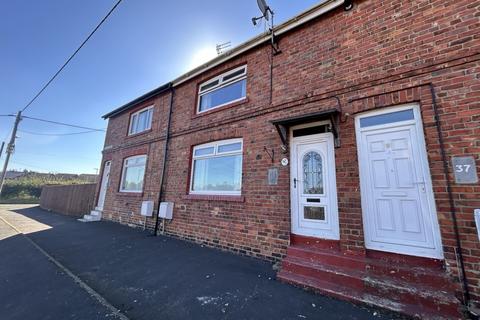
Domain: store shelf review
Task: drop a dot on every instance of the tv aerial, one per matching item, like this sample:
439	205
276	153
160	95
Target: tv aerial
222	47
267	14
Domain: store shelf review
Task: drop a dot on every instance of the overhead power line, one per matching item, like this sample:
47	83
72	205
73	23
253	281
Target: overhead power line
72	56
63	124
57	134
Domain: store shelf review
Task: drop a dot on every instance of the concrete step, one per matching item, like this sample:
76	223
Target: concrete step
90	218
95	213
426	272
416	289
346	293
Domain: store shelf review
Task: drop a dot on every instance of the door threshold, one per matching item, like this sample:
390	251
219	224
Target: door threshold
319	243
404	258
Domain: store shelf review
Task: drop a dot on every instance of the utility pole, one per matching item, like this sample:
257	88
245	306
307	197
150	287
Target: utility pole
1	149
10	149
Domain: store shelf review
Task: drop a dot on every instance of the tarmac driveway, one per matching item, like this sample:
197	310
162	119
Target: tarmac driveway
54	267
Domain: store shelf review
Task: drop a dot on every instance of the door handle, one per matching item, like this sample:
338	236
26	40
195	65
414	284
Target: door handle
295	183
421	184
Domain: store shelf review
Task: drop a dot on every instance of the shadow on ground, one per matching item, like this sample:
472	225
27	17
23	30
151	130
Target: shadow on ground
164	278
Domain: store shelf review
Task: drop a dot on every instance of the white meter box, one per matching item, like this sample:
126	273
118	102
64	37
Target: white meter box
166	210
476	214
147	208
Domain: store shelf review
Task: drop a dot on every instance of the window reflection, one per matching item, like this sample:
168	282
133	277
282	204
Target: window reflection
218	174
223	95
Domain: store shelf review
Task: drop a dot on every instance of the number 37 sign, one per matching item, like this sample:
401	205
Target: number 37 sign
465	170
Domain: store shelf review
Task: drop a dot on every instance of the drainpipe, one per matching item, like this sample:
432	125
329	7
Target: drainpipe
164	161
466	292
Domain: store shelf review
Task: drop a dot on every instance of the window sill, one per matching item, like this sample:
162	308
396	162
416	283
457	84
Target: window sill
130	194
138	133
222	108
212	197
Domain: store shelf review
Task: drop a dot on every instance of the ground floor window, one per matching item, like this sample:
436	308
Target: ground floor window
217	168
133	173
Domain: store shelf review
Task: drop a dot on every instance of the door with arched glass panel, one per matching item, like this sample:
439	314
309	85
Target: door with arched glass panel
314	197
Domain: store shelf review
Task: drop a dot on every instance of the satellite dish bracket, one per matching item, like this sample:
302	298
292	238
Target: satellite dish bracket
274	43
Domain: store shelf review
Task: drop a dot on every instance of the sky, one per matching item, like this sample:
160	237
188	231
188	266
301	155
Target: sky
142	45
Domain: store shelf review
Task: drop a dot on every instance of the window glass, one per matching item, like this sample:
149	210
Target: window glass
214	172
223	89
312	173
141	120
217	174
135	161
310	130
209	85
230	147
133	173
314	213
204	151
133	124
391	117
223	95
233	74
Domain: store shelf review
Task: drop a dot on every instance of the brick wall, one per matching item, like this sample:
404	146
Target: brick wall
382	53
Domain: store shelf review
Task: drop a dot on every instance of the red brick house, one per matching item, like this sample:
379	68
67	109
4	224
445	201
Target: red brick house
350	155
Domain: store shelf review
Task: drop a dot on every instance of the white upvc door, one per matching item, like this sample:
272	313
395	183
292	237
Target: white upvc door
397	197
103	185
314	210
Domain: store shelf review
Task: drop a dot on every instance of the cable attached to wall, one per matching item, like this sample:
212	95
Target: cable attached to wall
466	291
164	161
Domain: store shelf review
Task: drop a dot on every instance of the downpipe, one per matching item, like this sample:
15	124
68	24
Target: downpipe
164	162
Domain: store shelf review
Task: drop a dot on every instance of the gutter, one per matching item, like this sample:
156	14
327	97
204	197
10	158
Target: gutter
142	98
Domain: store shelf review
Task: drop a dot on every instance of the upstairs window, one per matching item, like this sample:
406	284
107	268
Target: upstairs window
217	168
226	88
141	120
133	174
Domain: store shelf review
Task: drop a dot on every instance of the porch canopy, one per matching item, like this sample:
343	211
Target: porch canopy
282	125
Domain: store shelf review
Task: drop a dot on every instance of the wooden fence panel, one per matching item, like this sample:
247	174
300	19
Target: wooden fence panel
73	200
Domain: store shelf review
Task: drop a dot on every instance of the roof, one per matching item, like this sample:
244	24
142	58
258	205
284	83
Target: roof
319	9
138	100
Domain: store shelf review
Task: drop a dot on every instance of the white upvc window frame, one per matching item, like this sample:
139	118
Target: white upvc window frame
136	114
221	83
124	170
216	154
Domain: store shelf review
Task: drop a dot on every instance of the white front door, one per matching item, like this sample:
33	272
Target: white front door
313	187
397	197
103	185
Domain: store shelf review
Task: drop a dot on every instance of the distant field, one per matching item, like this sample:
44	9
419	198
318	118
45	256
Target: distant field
27	188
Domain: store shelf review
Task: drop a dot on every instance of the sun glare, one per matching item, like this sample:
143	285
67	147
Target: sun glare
202	55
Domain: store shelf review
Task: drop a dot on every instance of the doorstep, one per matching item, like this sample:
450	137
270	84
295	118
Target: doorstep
410	285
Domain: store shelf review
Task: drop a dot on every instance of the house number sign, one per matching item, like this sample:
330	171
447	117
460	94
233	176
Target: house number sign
465	170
